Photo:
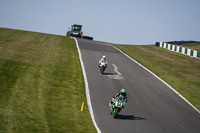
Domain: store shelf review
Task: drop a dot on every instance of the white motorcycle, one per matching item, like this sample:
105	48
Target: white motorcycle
102	67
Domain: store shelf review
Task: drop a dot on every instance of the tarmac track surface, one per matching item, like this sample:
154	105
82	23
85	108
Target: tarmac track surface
152	107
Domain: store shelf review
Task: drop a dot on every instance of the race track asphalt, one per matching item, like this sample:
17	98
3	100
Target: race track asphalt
152	106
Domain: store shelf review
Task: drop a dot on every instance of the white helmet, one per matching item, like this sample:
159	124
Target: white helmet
104	56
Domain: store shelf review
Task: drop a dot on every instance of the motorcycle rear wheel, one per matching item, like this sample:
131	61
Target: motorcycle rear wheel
102	70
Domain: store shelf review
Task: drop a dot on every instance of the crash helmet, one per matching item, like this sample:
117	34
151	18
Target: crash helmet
122	90
104	57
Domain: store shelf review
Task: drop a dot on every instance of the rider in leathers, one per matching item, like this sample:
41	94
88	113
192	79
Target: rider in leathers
122	93
103	60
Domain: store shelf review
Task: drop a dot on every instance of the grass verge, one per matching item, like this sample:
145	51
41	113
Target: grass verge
195	46
41	84
180	71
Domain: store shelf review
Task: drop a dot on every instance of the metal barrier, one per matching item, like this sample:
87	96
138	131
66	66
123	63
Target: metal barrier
179	49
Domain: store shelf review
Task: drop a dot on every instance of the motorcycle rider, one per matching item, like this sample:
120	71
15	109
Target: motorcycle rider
122	93
102	61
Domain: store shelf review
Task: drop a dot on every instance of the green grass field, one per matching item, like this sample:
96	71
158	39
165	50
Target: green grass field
180	71
41	84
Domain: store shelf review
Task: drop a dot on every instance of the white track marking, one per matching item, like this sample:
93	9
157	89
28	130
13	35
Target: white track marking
118	76
86	87
160	80
115	69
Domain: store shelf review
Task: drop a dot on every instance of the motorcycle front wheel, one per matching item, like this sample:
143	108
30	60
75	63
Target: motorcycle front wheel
115	112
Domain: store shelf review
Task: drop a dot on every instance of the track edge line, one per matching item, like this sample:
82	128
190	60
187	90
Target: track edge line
86	87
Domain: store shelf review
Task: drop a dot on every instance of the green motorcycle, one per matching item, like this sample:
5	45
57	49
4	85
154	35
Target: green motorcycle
116	106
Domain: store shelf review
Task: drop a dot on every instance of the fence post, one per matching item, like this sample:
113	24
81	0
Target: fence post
180	49
191	52
198	54
171	47
186	50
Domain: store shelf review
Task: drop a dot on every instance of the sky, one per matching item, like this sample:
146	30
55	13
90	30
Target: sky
137	22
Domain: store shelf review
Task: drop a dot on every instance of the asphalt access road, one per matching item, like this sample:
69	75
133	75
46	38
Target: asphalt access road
152	107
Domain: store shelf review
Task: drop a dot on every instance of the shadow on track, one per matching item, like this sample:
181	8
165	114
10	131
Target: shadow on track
109	73
129	117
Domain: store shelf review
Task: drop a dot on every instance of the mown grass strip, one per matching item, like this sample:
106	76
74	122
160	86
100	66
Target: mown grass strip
180	71
41	84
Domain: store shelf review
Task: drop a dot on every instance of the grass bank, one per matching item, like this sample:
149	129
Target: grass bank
195	46
180	71
41	84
